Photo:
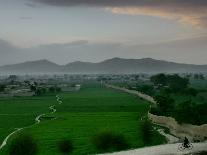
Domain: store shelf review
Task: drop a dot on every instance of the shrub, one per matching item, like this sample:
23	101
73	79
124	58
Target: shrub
65	146
147	132
23	144
109	141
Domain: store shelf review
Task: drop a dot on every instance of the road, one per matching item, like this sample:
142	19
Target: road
168	149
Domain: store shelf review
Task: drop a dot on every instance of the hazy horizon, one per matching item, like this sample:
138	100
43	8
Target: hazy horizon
26	61
64	31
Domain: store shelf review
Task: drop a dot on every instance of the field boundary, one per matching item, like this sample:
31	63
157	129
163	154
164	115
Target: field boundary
133	92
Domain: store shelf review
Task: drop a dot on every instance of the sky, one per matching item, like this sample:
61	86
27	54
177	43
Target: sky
64	31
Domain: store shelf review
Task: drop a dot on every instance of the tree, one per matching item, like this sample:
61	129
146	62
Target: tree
199	77
191	92
187	112
147	89
165	103
57	89
38	92
159	79
2	88
52	89
33	88
177	83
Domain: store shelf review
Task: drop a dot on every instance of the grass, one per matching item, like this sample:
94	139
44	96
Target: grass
83	114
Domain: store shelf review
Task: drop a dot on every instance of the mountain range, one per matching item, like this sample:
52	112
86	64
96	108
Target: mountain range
110	66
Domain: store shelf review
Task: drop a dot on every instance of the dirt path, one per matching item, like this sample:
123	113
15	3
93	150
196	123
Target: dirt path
37	121
133	92
168	149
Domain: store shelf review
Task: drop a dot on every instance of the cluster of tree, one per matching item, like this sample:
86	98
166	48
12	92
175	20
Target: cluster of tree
199	77
42	90
165	105
174	82
184	112
147	89
54	89
2	87
190	112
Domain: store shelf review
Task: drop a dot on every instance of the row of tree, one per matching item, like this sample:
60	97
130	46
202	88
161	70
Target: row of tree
42	90
175	82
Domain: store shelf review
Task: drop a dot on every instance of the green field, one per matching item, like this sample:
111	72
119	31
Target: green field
91	110
20	112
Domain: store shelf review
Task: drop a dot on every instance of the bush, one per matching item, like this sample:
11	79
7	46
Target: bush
147	132
109	141
23	145
65	146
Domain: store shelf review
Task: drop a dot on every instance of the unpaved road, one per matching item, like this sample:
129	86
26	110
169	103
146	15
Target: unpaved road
168	149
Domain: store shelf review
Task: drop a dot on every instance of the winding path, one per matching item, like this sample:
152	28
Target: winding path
37	121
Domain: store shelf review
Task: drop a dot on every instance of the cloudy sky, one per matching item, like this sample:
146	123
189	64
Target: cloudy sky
93	30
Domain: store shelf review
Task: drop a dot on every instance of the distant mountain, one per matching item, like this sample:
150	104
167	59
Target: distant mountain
39	66
115	65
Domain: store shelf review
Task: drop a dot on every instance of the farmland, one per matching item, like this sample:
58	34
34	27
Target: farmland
91	110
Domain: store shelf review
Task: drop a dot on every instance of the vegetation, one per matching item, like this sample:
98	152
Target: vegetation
189	109
147	89
165	104
109	141
23	144
176	97
174	82
65	146
2	88
82	114
147	131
